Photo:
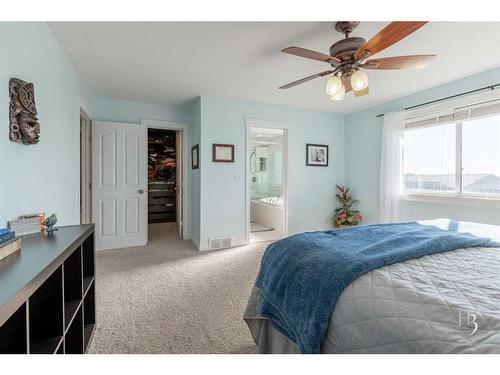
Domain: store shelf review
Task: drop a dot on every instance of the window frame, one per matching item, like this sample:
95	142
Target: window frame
458	197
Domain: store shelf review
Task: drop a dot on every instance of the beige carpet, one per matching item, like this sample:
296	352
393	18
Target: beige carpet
167	297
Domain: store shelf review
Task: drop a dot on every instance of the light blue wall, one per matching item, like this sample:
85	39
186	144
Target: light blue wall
106	109
312	199
42	177
363	131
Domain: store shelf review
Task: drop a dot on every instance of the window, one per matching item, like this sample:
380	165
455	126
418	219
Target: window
481	156
429	159
456	154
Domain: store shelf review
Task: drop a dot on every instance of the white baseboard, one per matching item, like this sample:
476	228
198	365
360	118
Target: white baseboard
238	243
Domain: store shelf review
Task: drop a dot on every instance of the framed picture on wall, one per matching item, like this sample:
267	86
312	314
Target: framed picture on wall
317	155
195	157
223	153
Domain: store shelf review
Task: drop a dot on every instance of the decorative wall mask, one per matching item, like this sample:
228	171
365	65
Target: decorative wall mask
24	125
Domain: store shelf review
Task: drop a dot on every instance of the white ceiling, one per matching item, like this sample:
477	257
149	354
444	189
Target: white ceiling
173	62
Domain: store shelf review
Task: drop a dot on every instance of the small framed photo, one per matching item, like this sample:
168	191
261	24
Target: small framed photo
195	157
317	155
223	153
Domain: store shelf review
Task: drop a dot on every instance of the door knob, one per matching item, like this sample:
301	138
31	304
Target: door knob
140	191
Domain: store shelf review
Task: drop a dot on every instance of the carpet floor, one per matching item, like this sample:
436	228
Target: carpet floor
167	297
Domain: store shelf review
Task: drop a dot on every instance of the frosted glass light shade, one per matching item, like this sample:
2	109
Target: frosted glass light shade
339	95
333	85
359	80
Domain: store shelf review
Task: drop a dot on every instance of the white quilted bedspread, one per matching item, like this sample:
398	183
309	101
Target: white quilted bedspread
415	306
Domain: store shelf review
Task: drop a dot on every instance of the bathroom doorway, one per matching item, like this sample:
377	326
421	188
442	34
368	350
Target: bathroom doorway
266	184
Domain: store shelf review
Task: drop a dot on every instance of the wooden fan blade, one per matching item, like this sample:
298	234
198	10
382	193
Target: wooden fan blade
308	54
295	83
400	62
347	83
386	37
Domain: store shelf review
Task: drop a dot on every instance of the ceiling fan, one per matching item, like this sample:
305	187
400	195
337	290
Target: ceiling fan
348	58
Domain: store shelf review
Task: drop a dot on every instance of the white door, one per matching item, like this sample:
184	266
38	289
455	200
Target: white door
119	178
178	181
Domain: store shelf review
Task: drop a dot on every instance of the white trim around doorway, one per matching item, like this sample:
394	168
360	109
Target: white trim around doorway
184	129
85	157
257	123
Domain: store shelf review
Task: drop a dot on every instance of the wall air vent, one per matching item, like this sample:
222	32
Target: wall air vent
219	243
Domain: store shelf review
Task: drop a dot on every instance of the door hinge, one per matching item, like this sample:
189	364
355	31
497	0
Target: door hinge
90	185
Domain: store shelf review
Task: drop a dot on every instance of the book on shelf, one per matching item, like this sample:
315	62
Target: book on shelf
9	247
6	237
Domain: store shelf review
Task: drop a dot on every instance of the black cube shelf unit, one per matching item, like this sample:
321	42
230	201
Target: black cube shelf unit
47	293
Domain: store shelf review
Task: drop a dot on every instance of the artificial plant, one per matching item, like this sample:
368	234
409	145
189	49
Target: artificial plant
344	215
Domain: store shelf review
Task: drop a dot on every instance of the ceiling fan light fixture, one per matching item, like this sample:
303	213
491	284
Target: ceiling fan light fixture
339	95
334	85
350	57
359	80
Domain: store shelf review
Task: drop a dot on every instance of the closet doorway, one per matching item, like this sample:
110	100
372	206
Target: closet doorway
165	178
121	206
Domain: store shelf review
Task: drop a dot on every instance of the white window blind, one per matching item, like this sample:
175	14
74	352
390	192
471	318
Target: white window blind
463	113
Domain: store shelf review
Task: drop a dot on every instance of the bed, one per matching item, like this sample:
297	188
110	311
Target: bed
447	302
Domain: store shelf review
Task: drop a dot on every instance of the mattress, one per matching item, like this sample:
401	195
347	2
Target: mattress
441	303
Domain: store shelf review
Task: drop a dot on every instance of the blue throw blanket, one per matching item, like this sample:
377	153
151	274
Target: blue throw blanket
302	276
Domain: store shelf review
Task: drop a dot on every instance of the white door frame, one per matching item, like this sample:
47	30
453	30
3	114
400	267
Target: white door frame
85	168
256	123
184	129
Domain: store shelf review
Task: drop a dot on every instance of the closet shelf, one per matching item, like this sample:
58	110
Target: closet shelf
162	166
